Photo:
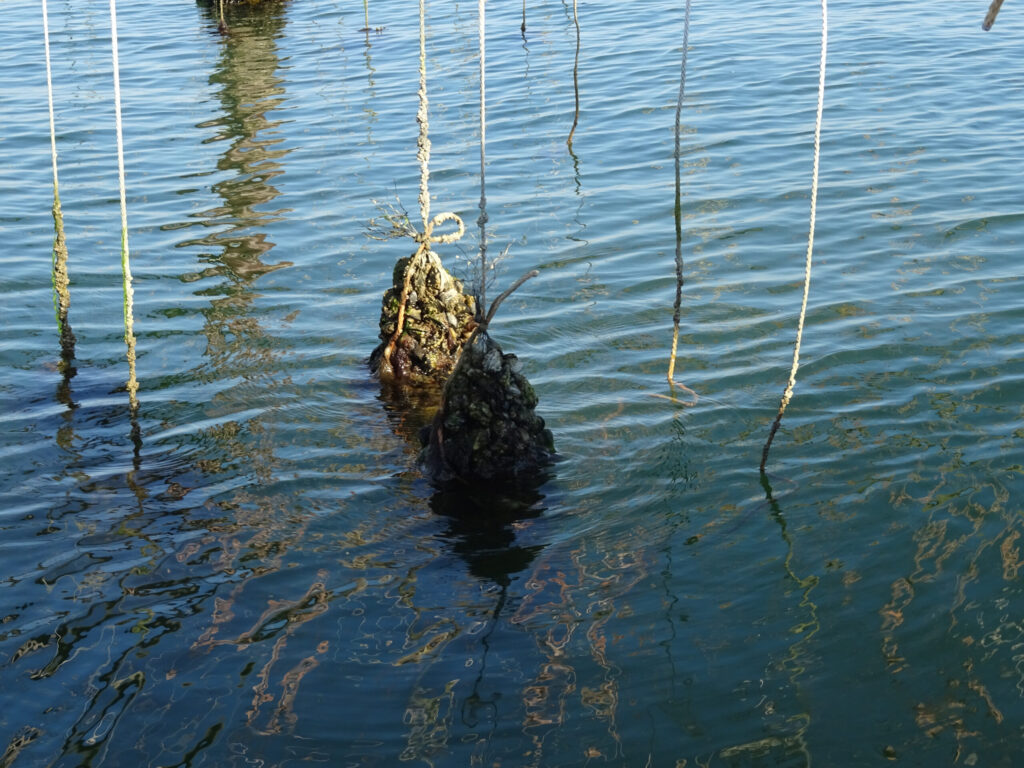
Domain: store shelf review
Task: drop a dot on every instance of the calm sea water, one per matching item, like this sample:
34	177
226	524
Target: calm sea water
255	572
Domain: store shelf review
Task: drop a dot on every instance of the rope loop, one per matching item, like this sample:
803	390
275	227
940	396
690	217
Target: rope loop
427	236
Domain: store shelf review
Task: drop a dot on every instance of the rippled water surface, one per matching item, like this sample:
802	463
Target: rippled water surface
254	572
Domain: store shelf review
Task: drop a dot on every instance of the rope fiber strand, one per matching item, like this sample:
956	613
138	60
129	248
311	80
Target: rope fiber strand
787	393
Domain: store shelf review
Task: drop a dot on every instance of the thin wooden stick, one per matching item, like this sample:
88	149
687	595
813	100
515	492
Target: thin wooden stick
506	294
678	208
990	17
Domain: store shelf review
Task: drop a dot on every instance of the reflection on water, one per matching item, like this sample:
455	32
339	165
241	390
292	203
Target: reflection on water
249	88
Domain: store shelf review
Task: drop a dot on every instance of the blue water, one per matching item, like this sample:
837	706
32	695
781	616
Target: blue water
253	571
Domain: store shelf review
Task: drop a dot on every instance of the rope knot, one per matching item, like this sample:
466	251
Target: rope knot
427	236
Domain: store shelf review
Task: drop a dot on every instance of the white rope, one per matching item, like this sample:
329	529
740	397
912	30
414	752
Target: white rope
423	141
49	95
482	221
129	334
787	394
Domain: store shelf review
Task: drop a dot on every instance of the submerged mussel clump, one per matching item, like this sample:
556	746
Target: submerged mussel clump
425	319
487	429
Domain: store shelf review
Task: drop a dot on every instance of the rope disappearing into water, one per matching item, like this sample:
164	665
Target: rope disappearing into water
678	213
126	272
61	281
575	77
787	393
990	17
482	220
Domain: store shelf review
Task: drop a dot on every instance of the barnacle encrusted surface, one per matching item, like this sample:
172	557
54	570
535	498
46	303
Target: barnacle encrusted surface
437	319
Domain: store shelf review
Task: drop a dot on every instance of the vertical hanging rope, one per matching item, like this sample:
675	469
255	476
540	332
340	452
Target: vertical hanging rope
678	201
482	221
129	322
423	141
61	282
427	236
787	393
575	77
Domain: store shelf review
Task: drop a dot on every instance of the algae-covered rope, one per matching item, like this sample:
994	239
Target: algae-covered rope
129	333
787	393
61	282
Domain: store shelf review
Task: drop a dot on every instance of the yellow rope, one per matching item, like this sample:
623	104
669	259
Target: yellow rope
787	393
129	333
678	213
